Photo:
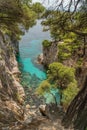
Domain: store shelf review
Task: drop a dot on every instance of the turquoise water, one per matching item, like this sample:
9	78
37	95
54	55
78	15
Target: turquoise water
50	98
30	47
30	67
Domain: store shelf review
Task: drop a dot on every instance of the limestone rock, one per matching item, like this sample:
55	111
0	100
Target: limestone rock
40	59
11	92
50	54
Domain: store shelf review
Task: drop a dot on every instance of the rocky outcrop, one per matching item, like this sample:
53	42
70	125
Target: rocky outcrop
77	110
40	58
15	45
11	92
51	120
50	54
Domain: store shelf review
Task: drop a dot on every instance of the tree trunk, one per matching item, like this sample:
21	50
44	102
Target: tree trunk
84	48
77	111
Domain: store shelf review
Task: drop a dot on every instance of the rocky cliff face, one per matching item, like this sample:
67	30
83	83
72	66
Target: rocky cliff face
50	54
77	111
11	92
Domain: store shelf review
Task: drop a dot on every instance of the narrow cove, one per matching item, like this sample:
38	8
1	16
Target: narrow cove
32	73
30	47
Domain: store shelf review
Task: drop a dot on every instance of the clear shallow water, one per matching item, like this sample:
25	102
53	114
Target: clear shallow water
30	47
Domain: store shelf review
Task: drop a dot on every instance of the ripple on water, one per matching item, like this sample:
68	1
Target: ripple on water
29	67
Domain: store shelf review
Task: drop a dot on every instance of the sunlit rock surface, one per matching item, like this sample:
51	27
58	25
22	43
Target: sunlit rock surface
11	92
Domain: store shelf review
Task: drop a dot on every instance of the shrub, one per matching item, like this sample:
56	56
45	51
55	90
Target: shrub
46	43
44	87
69	93
60	75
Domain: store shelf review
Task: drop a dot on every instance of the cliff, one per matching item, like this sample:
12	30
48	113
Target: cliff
50	54
77	60
77	111
11	92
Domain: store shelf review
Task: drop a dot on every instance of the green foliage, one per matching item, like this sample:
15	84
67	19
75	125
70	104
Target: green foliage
69	93
15	17
44	87
38	8
63	77
65	24
46	43
65	51
60	75
69	47
29	17
79	62
49	23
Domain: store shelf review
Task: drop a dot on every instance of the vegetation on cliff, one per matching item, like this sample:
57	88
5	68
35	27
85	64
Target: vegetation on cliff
17	16
46	43
38	9
62	78
68	25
